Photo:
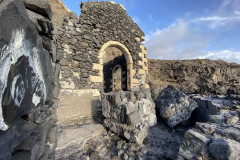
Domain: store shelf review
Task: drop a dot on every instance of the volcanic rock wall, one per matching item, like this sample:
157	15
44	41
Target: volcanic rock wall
59	10
195	76
90	49
28	81
101	24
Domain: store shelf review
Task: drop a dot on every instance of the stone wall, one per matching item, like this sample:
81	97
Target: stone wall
29	81
59	10
129	114
91	46
84	40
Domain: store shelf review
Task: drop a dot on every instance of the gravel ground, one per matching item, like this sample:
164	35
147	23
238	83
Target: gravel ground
161	143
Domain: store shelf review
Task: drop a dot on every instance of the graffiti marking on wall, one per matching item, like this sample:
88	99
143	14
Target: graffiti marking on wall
21	74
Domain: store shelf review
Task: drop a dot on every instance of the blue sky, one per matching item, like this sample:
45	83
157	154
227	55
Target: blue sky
185	29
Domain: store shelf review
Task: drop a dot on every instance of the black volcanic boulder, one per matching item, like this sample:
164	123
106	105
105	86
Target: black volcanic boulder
25	64
174	106
41	7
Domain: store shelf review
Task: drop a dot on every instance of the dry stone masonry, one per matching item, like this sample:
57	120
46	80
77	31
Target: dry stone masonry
101	51
29	81
85	41
129	114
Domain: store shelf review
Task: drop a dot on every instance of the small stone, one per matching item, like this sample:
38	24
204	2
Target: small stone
115	158
87	37
98	26
232	119
85	75
119	144
139	95
64	62
167	113
132	97
77	58
73	15
83	6
95	155
84	157
135	118
74	22
75	64
125	156
74	41
220	149
120	153
130	108
85	44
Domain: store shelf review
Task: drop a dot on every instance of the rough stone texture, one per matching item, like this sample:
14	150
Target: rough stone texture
195	76
127	118
221	148
41	7
160	143
79	106
59	10
211	108
28	84
217	139
174	106
73	138
80	40
82	67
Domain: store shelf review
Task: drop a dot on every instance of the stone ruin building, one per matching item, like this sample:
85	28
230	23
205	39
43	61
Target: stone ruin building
102	43
101	52
60	71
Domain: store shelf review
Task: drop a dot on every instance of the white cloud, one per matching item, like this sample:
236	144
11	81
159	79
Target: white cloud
150	18
226	15
178	41
226	55
216	21
237	12
190	38
227	7
214	18
187	14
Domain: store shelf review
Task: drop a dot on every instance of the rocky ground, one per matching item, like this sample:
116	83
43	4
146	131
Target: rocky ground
216	134
161	143
201	76
213	136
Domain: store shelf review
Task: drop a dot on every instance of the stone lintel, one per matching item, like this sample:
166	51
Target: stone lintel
140	63
96	79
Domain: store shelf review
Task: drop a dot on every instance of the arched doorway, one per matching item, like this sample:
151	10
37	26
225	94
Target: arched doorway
115	58
114	70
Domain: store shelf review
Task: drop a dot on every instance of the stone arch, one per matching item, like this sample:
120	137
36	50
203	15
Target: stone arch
127	55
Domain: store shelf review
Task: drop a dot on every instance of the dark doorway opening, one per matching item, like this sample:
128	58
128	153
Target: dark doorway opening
114	70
